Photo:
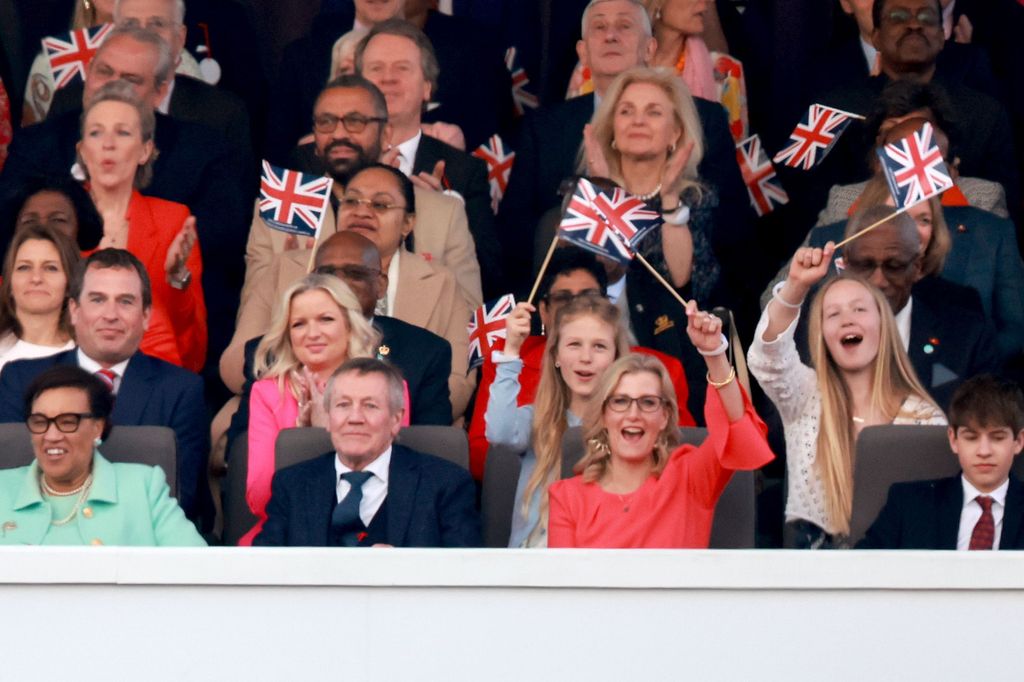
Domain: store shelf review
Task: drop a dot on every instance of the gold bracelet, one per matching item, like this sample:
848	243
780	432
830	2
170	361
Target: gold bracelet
722	384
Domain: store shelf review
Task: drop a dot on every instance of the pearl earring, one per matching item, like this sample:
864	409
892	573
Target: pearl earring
613	145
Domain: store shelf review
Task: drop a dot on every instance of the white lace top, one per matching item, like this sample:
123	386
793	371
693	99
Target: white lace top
792	387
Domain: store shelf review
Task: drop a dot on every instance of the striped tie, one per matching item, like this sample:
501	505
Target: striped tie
107	376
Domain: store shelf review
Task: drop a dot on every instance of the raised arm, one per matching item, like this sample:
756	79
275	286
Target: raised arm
808	267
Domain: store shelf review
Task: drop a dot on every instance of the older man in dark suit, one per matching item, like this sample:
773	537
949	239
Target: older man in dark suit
370	490
110	306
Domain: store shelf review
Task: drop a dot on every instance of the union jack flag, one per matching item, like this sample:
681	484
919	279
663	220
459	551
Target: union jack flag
609	225
759	176
293	202
69	54
522	99
814	136
499	166
487	326
914	167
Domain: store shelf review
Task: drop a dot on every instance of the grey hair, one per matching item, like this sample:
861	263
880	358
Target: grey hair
364	366
164	63
179	11
122	91
402	28
645	19
902	224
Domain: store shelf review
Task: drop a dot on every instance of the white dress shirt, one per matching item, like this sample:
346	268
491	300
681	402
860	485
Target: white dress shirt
91	366
970	514
870	53
375	490
407	153
903	323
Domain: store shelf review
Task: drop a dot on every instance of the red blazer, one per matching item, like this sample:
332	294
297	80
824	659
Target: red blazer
177	324
531	354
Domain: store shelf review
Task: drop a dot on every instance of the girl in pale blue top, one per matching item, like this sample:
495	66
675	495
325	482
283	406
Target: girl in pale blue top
586	338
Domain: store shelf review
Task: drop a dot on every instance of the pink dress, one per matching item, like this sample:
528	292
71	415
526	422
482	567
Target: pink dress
674	510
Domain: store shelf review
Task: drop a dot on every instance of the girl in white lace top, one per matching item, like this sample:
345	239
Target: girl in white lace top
861	376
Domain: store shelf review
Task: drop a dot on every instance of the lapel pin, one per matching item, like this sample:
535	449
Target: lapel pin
383	351
663	323
961	228
8	525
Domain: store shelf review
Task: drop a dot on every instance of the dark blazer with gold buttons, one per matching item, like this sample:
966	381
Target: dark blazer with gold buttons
127	504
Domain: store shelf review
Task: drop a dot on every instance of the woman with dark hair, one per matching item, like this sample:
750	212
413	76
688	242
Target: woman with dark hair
34	294
72	495
64	205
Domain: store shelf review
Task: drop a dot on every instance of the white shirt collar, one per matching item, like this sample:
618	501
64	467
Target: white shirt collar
998	495
947	19
91	366
407	151
165	104
615	289
870	53
903	323
378	467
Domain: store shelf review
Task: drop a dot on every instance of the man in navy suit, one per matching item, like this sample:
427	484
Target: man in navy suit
370	491
110	306
983	507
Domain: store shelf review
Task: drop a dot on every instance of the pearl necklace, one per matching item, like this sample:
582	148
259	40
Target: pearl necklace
650	195
82	491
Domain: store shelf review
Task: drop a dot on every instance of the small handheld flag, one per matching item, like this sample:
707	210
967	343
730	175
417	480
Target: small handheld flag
487	326
607	224
69	54
759	176
522	99
814	136
499	161
293	202
914	167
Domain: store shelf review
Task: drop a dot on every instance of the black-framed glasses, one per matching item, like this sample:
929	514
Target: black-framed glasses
889	267
378	207
354	123
68	422
646	403
563	297
355	273
925	16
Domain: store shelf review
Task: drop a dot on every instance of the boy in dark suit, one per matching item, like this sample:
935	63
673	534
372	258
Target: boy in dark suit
983	507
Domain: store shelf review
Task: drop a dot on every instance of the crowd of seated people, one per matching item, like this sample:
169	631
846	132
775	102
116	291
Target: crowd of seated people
144	286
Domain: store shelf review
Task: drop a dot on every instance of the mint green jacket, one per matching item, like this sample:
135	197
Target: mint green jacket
128	504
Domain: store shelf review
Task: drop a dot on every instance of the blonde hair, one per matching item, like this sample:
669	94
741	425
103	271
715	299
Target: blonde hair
275	357
683	109
122	91
876	193
345	46
598	453
553	396
892	380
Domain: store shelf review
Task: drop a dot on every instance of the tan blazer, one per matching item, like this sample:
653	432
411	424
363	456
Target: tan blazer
441	235
427	296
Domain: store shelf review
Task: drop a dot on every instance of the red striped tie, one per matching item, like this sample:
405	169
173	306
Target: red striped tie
108	377
984	533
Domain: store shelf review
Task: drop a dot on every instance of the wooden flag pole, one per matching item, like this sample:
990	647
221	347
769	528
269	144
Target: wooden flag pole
657	276
871	227
543	268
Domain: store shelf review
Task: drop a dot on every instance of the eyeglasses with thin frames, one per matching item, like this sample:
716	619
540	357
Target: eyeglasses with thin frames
67	422
925	16
646	403
378	207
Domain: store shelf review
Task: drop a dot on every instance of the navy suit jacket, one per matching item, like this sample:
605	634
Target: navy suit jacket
152	393
430	502
546	151
926	515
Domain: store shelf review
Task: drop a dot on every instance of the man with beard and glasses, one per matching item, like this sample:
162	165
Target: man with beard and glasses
350	130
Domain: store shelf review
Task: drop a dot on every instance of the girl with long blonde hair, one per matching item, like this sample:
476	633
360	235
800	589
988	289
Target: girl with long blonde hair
861	376
587	336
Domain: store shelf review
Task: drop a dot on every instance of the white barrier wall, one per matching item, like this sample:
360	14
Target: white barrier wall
250	614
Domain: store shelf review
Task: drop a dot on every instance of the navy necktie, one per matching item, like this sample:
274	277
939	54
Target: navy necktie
345	520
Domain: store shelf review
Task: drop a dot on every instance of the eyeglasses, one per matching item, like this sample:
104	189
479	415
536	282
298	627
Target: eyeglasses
356	273
66	423
925	16
378	207
890	267
646	403
564	297
155	24
354	123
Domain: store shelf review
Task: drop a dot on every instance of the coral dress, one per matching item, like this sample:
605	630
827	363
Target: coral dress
674	510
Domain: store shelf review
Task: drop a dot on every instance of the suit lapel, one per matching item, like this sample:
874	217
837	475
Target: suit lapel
1012	516
418	291
133	395
950	494
426	156
321	493
403	481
